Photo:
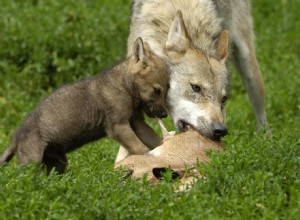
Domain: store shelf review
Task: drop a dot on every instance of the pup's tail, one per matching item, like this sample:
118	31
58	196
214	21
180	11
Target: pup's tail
8	153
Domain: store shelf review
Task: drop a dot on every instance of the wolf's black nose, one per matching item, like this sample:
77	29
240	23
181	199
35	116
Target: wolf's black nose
219	130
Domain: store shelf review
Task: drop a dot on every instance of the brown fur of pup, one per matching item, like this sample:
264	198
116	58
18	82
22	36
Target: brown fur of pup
108	104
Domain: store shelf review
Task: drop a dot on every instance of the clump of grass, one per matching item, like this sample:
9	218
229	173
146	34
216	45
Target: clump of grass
48	43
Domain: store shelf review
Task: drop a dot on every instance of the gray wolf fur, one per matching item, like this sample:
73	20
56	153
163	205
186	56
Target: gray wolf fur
108	104
194	38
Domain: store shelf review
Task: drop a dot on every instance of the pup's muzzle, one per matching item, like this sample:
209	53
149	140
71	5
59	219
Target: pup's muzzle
155	111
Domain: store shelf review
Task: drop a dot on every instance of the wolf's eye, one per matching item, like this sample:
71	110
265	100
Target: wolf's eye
157	91
196	88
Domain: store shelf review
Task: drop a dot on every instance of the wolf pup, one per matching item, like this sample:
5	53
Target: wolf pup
194	38
108	104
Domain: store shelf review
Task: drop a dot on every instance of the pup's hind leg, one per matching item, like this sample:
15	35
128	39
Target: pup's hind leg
247	65
55	160
30	148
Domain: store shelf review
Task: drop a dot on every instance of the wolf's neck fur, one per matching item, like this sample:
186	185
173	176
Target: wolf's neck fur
154	21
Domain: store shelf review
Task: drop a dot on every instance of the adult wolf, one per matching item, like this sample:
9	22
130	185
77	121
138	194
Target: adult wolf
194	37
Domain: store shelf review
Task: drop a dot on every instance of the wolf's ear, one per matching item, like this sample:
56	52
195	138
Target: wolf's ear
139	50
223	46
178	40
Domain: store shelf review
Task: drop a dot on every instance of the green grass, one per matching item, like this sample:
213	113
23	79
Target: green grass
45	44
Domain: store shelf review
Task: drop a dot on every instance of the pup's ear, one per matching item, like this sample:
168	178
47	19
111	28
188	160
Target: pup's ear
158	172
223	47
139	50
178	41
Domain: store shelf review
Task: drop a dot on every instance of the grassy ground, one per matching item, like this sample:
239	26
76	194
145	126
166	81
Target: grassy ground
47	43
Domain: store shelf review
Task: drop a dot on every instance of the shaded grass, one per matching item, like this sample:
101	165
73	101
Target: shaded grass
47	43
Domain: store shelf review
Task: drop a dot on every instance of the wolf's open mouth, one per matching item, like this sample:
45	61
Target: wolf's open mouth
183	126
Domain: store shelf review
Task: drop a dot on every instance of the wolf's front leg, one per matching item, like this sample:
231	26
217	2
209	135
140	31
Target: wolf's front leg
127	138
247	65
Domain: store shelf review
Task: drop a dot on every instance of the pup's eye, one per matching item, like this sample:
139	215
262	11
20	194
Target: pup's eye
196	88
224	99
157	91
